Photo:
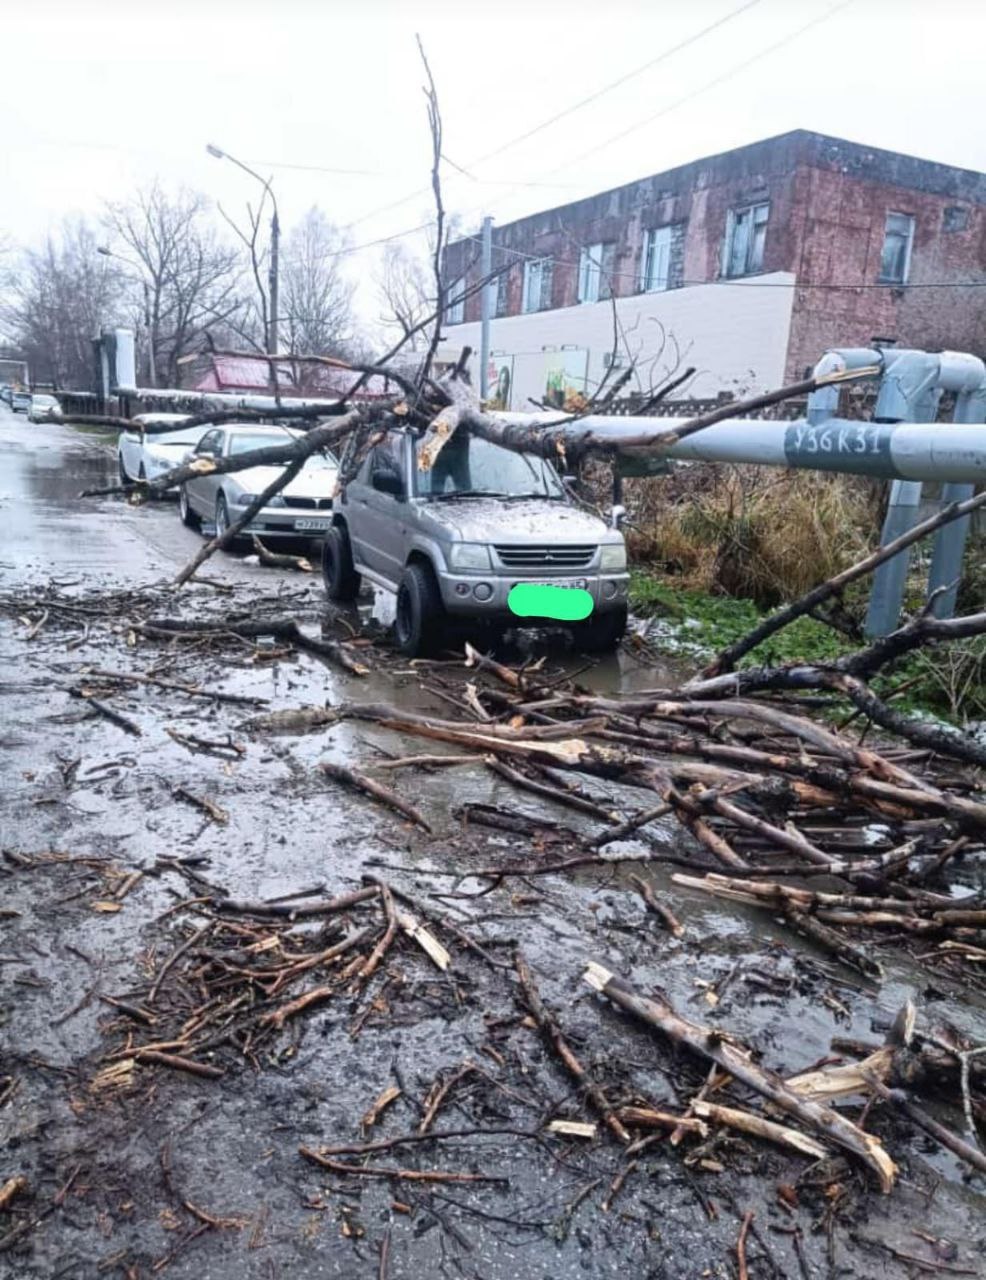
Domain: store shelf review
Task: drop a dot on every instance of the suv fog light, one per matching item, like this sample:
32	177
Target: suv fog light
609	590
462	588
482	591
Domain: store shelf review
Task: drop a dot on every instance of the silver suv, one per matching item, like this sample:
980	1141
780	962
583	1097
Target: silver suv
453	541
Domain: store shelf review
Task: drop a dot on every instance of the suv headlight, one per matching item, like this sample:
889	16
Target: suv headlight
613	556
469	555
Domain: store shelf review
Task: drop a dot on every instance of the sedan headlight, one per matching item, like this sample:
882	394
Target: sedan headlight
469	555
613	556
245	499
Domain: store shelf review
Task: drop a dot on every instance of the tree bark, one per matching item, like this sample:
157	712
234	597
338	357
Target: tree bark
725	1053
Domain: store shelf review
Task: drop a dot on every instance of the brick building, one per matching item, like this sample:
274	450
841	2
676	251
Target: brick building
750	263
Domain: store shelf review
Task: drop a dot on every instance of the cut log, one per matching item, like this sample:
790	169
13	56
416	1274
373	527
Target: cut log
659	1014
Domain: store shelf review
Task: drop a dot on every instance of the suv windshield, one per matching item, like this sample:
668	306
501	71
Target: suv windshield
469	466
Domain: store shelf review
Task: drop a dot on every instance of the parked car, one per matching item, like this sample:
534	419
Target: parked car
453	541
144	456
20	401
302	509
6	393
43	408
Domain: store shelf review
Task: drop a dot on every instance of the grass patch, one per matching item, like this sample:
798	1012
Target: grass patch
703	624
99	434
948	682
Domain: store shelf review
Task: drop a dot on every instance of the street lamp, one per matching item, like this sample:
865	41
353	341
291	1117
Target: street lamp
148	321
275	235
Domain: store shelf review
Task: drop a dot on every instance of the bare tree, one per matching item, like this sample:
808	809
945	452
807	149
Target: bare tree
189	279
316	299
57	299
406	292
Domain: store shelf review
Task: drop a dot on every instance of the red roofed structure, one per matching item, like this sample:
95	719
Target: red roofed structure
247	375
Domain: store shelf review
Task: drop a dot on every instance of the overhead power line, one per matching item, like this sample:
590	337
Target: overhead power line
617	83
576	106
711	84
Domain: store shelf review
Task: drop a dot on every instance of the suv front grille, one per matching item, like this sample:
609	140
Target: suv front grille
308	504
545	557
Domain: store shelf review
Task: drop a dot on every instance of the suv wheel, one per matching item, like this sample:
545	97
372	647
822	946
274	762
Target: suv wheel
340	577
188	516
420	612
601	633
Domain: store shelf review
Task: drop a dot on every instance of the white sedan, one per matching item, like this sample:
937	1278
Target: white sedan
43	408
142	456
303	508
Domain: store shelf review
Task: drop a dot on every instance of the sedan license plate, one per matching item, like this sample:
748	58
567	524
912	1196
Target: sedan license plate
315	526
581	584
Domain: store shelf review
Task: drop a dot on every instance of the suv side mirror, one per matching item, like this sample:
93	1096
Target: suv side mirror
388	482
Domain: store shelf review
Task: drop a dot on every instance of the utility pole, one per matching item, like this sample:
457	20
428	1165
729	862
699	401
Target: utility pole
275	236
272	328
151	326
485	298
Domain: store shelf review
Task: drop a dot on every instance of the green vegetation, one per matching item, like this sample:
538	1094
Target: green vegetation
99	434
703	624
949	682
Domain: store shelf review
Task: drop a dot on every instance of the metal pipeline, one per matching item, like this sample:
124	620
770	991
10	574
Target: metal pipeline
903	450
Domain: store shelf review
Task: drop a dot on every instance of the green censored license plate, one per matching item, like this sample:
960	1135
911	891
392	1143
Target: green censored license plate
545	600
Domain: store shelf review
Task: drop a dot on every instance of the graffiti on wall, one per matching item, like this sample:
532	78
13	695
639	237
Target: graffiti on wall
500	380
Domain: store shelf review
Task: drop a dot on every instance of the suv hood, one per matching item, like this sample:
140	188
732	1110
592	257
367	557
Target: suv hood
525	520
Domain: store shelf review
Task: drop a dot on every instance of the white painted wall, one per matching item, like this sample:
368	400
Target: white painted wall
736	336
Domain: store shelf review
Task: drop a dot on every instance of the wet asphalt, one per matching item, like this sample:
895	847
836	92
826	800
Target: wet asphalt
233	1145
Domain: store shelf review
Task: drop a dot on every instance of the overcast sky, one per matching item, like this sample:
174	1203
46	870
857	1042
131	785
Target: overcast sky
99	97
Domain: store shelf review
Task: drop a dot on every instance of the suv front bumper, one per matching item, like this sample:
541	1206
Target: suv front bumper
485	595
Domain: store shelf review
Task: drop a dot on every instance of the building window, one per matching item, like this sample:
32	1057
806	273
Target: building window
596	272
955	218
898	237
746	232
537	284
503	292
655	261
455	305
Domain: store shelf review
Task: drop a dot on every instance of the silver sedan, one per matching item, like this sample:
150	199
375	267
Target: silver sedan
303	508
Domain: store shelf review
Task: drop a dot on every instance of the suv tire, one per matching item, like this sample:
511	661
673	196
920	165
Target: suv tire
338	573
420	612
601	633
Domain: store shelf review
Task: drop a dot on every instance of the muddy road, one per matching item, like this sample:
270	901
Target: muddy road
119	837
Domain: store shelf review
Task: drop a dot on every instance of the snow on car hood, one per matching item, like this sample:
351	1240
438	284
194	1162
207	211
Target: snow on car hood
311	482
524	520
188	438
